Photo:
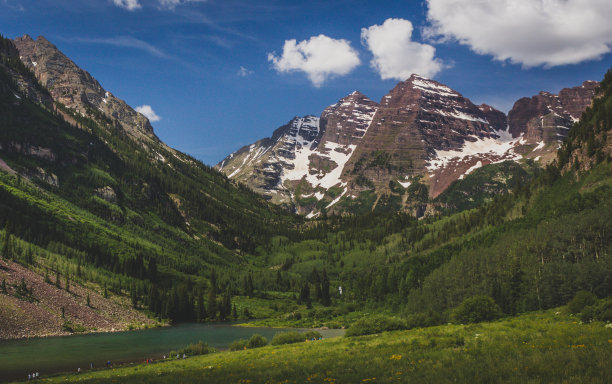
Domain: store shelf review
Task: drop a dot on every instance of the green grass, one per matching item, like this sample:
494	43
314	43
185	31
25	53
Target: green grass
534	348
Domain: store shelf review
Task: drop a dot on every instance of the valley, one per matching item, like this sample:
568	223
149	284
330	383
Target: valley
450	241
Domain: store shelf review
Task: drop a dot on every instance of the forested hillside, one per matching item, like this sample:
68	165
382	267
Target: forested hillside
82	200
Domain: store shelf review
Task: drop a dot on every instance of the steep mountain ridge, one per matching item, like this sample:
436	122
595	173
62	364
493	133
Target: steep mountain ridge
422	134
76	88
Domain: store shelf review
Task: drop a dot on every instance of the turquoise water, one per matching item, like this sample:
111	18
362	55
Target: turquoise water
68	353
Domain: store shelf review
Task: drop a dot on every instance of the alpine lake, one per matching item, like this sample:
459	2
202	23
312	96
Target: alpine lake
50	355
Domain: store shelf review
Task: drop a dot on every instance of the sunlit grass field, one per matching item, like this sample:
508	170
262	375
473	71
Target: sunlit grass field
542	347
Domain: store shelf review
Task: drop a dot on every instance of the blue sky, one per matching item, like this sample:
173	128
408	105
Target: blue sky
220	74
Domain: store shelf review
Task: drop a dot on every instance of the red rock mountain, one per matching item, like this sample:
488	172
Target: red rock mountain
408	148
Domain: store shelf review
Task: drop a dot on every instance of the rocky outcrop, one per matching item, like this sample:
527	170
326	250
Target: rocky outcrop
544	119
76	88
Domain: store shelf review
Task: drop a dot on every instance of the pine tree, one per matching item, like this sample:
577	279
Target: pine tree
226	305
134	297
201	308
212	303
325	299
250	288
6	249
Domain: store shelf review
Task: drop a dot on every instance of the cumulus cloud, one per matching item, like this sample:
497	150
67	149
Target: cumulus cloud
130	5
244	72
320	57
527	32
396	56
148	112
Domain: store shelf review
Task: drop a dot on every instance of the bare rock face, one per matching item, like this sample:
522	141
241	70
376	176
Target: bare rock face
30	89
415	120
544	120
76	88
347	121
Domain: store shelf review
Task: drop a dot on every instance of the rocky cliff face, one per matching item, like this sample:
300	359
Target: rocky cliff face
401	152
76	88
544	119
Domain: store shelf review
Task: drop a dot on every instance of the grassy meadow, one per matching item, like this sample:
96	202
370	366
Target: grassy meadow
538	347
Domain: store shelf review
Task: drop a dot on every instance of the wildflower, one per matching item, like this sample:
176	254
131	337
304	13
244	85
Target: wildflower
395	357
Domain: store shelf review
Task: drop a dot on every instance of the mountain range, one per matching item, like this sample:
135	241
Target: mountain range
401	152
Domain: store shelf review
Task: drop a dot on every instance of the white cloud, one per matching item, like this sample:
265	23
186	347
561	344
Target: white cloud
244	72
396	56
320	57
148	112
123	41
527	32
130	5
171	4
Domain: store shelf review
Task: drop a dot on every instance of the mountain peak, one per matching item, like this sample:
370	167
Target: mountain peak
76	88
25	37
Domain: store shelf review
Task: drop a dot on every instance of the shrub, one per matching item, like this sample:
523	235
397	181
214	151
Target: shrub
72	327
257	341
476	309
238	345
424	319
581	300
287	338
312	335
602	311
375	324
200	348
294	337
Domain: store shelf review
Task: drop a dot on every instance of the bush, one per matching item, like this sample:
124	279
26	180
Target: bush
294	337
476	309
287	338
312	335
72	327
238	345
200	348
424	319
375	324
601	311
581	300
257	341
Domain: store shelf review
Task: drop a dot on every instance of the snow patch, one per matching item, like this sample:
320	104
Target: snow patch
337	199
499	149
539	146
471	169
404	184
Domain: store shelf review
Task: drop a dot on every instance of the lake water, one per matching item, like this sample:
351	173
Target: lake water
67	353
